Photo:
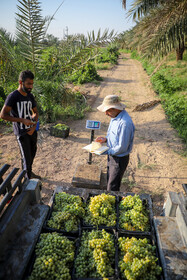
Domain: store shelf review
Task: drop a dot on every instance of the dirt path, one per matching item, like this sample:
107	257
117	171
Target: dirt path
155	164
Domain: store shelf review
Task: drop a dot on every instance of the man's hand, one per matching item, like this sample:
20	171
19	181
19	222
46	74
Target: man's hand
31	130
101	139
28	122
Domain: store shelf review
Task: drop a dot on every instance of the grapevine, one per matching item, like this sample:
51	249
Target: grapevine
96	255
67	211
133	215
101	210
137	260
54	258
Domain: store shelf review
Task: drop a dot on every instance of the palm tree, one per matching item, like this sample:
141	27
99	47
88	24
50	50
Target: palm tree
10	62
162	25
164	29
30	30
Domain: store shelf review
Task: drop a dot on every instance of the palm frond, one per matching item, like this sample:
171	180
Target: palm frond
87	48
30	29
163	29
9	57
142	7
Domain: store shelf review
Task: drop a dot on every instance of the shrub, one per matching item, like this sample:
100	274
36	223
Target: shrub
57	102
174	103
176	110
109	54
135	55
86	74
2	97
161	84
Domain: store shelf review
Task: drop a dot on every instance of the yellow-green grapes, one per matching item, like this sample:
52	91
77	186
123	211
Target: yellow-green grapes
137	259
96	255
101	210
133	214
54	258
68	209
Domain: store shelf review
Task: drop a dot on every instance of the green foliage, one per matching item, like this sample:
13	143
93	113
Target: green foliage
161	27
103	66
2	97
174	101
148	66
5	91
50	60
10	60
176	110
57	102
135	55
50	63
109	54
164	86
61	126
170	81
124	51
86	74
30	30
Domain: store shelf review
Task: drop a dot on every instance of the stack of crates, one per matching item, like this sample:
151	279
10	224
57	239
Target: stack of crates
112	230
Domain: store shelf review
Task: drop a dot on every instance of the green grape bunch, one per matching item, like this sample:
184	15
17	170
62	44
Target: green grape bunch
101	210
137	259
67	211
133	214
96	255
54	258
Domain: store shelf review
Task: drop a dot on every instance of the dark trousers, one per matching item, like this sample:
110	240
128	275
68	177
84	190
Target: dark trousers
28	146
116	167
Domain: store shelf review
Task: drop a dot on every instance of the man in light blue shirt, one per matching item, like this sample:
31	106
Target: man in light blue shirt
119	139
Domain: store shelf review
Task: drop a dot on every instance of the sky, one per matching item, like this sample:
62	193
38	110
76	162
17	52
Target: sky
74	16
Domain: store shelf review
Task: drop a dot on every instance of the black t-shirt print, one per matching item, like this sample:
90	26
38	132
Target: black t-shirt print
21	108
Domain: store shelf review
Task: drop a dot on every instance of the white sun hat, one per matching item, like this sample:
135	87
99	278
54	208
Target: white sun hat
111	101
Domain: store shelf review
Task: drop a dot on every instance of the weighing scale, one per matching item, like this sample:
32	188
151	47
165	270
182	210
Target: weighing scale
87	175
92	125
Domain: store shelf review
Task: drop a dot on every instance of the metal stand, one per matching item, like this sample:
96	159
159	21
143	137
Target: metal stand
91	139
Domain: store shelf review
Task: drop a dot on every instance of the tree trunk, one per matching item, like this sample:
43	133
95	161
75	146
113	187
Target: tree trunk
180	50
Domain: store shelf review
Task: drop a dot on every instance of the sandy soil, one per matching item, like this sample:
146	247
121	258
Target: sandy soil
156	165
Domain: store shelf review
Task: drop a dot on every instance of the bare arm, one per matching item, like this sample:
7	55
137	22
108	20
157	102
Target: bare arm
5	115
35	114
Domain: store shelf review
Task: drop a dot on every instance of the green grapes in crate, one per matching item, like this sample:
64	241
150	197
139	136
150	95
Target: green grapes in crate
133	214
68	209
137	259
54	258
96	255
101	210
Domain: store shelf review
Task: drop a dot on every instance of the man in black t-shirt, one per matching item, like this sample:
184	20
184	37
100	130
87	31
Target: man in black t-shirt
20	108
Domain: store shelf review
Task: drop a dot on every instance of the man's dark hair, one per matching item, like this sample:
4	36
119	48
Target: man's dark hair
26	75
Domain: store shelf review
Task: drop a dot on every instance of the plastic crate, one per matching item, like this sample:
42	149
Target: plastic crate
50	229
146	201
33	257
152	241
114	277
85	225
